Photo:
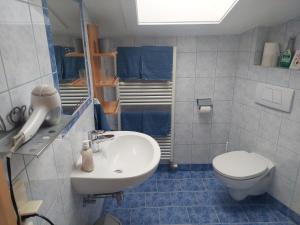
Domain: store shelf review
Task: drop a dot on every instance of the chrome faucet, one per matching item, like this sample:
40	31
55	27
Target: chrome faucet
96	137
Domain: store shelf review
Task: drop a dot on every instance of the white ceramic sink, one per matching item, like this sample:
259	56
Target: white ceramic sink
127	160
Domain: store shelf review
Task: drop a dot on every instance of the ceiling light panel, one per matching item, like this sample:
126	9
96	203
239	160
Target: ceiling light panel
164	12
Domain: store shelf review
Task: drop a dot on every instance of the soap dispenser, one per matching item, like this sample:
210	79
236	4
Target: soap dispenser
87	157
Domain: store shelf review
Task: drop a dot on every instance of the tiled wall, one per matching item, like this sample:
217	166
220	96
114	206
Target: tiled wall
24	63
269	132
205	69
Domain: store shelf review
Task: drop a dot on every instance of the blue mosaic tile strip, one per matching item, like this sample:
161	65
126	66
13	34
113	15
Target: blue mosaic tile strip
194	197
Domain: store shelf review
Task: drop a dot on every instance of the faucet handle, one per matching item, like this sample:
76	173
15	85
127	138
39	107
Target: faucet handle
93	134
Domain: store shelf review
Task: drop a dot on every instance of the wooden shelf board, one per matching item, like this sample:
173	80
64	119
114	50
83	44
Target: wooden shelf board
111	81
105	54
75	54
111	107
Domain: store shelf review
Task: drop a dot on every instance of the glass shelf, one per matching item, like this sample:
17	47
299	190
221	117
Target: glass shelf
36	146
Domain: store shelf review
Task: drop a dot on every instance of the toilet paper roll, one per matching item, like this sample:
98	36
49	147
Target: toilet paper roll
205	109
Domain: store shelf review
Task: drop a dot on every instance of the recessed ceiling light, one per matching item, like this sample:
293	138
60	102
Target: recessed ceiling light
164	12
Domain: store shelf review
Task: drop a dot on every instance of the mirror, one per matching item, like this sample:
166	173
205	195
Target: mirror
69	53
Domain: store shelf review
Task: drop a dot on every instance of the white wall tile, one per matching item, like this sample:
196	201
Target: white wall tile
207	43
215	150
184	112
186	64
289	135
220	133
206	63
280	77
185	89
269	127
200	154
201	133
201	117
183	133
14	12
224	88
5	108
3	83
287	163
226	63
204	87
186	44
229	43
222	111
17	48
183	154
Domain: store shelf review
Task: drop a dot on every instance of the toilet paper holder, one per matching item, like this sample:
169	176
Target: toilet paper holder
204	102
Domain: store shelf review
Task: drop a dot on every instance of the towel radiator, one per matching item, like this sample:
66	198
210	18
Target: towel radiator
152	93
73	96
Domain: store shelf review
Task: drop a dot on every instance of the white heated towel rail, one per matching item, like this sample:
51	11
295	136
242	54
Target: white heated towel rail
148	93
72	96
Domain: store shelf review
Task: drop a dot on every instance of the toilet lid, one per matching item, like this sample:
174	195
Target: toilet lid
240	165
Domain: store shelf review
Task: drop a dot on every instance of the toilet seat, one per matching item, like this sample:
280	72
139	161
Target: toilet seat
240	165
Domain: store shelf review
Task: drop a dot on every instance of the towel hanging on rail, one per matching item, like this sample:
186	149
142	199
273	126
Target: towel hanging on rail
145	63
153	123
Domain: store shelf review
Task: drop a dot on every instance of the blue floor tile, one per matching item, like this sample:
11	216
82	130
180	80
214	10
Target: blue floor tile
122	214
184	199
168	185
202	215
260	214
133	200
147	186
193	197
159	199
174	215
213	184
231	214
144	216
192	185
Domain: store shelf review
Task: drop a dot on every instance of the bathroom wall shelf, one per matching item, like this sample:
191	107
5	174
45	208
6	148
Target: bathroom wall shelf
101	80
111	54
111	107
110	81
75	54
37	145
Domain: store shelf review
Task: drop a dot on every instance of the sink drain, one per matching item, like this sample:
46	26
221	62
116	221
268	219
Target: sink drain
118	171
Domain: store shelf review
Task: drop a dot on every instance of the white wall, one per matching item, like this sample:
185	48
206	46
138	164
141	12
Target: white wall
206	68
271	133
24	63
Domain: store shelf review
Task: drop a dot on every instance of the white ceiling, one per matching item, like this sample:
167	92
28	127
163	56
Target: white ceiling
64	17
118	18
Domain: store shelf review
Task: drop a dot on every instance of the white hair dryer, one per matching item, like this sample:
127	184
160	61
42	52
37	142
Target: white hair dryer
46	106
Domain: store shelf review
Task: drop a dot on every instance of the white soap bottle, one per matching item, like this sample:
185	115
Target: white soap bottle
87	157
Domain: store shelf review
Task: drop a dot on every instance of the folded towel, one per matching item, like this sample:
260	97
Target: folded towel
156	63
156	123
128	63
132	121
101	122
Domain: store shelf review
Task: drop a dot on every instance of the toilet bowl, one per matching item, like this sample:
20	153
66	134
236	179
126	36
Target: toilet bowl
243	173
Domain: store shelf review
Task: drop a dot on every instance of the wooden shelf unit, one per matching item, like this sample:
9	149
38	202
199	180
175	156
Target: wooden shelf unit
75	54
101	80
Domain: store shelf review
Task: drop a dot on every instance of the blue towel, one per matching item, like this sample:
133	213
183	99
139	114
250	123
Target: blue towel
101	122
156	123
156	63
128	63
132	121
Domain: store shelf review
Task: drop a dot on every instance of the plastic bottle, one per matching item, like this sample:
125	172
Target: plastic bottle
87	157
287	56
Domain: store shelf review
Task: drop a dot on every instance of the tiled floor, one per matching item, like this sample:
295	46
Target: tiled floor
191	197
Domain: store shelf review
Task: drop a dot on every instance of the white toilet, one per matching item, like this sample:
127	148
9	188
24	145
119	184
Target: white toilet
243	173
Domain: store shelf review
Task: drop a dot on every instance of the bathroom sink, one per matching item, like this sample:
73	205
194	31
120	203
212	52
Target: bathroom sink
126	160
